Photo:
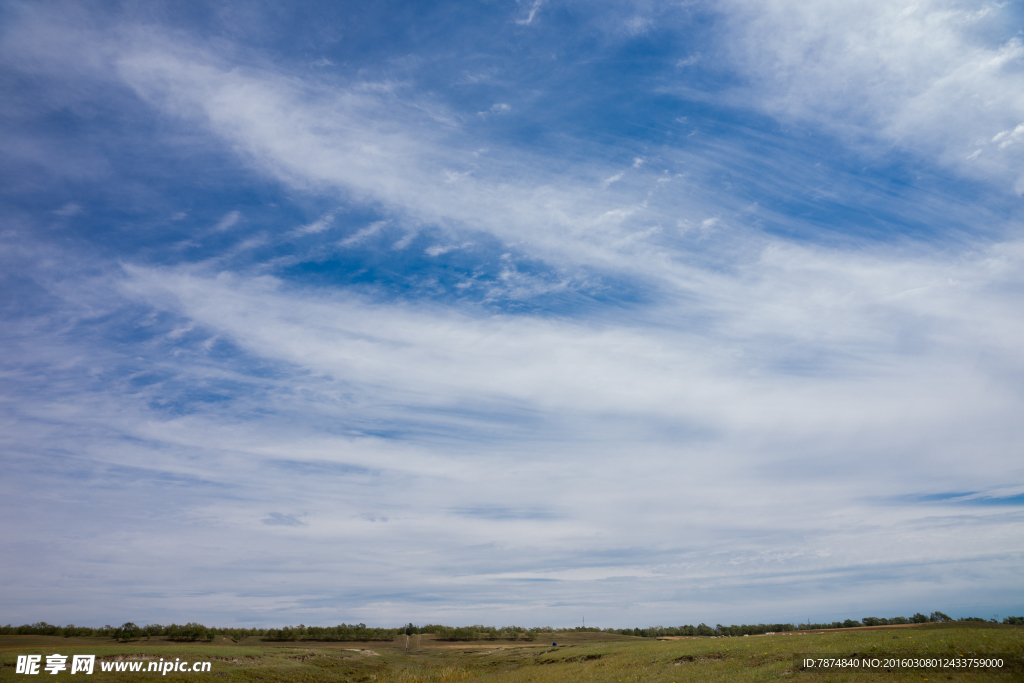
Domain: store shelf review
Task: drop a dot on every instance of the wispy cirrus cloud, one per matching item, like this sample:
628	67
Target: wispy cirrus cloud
564	372
531	13
890	73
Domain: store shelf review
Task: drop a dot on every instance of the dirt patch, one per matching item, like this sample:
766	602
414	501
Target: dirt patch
681	637
235	660
568	660
697	659
463	645
856	628
582	658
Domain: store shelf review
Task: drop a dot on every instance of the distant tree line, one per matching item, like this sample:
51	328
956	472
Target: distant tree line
193	631
476	632
331	633
659	631
917	618
189	632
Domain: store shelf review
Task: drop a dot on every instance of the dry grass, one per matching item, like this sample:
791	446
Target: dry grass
581	657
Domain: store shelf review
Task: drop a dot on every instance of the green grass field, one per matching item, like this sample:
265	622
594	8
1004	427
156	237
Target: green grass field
584	657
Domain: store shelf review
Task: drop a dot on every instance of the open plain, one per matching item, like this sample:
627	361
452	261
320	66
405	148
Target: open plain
578	656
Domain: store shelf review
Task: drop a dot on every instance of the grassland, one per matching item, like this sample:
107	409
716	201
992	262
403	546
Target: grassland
583	657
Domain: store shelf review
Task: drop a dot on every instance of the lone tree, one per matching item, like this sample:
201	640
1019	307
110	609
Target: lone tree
127	631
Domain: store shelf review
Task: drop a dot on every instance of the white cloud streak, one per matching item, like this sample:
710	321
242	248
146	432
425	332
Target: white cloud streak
938	77
362	234
637	459
344	140
531	14
229	221
662	414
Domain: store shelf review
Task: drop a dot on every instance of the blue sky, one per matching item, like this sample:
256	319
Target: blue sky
511	312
